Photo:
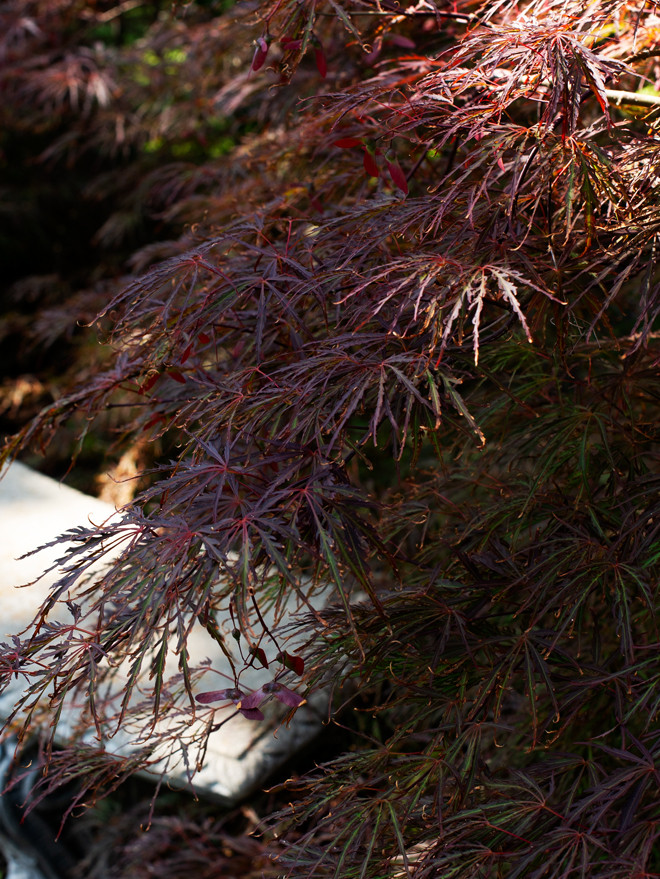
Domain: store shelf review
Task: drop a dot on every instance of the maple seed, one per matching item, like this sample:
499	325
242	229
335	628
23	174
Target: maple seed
259	653
252	713
294	663
149	383
259	54
397	175
370	152
273	688
231	695
375	52
321	63
400	40
370	165
283	694
319	54
290	45
153	421
346	142
252	701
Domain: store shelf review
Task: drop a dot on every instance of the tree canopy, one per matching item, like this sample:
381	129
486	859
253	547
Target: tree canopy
379	282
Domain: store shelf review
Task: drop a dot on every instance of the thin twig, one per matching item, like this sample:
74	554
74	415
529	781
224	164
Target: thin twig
639	98
642	56
119	10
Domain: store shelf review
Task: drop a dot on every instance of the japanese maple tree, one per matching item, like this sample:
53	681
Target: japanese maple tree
402	341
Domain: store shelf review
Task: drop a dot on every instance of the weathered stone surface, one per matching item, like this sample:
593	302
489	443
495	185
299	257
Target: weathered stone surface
35	509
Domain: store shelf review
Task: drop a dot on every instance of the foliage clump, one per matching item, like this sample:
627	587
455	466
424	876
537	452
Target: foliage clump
405	347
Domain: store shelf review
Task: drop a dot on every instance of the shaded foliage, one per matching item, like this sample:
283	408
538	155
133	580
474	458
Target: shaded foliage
406	348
